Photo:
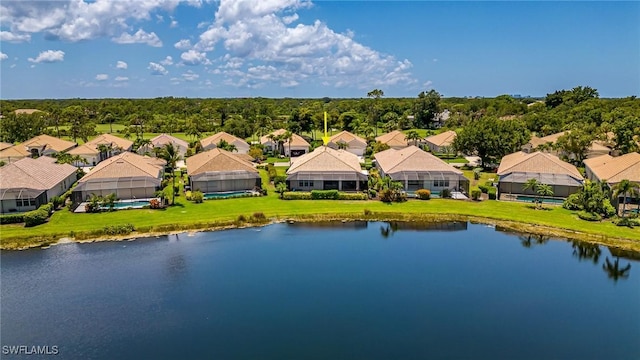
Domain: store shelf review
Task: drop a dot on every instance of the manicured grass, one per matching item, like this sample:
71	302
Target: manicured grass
458	160
484	177
272	159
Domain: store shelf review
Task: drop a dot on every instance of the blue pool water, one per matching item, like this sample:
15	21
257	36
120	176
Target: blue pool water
544	200
133	204
325	291
224	195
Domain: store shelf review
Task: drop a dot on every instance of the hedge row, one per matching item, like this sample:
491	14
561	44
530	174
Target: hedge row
322	195
124	229
12	218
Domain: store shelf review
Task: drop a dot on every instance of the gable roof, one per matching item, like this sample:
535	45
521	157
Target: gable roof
84	149
37	174
15	151
217	160
326	159
411	158
615	169
394	138
349	138
49	142
215	139
537	162
443	139
108	139
296	140
162	139
4	145
126	164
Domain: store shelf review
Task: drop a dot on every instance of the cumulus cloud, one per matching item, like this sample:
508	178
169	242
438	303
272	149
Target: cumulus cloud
3	56
121	78
190	76
48	56
8	36
102	77
167	61
140	37
263	33
122	65
75	20
184	44
157	69
193	57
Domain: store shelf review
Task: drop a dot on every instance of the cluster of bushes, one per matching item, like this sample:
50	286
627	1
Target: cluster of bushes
445	194
323	195
271	171
423	194
197	197
475	194
296	195
39	216
392	195
123	229
627	221
589	216
155	204
493	193
12	218
476	173
353	196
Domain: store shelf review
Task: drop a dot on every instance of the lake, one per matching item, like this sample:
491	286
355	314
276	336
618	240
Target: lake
352	290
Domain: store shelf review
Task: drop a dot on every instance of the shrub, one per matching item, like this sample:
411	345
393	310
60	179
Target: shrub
188	195
607	209
35	217
373	193
475	194
155	204
325	194
57	201
483	188
445	193
271	171
389	195
259	216
123	229
176	190
423	194
279	179
12	218
626	221
572	202
197	197
476	173
493	193
48	208
351	196
242	219
367	212
584	215
296	195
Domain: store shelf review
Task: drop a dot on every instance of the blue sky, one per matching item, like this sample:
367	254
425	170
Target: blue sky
298	48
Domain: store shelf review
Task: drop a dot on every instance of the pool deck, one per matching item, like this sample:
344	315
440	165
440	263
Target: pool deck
82	207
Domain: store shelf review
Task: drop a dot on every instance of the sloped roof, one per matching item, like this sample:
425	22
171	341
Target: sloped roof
411	159
49	142
536	162
215	139
37	174
296	140
162	139
106	139
443	139
26	111
537	141
349	138
14	151
84	149
217	160
126	164
394	138
615	169
326	159
4	145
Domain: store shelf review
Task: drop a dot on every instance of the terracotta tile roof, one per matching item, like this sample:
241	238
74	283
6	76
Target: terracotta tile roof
537	162
163	139
326	159
4	145
395	138
108	139
217	160
615	169
126	164
37	174
296	140
411	159
26	111
16	151
49	142
214	139
443	139
84	149
349	138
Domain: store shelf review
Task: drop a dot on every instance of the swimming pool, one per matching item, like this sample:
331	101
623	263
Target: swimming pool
544	200
226	195
131	204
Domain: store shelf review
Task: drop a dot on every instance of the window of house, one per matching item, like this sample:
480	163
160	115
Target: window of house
25	202
305	183
441	183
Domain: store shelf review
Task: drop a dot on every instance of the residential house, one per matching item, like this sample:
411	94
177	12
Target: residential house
128	175
41	145
441	143
26	111
28	183
597	147
352	143
100	148
517	168
298	145
161	140
211	142
4	145
613	170
395	139
417	169
218	170
327	169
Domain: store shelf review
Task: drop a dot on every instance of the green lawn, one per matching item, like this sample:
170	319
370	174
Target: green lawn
484	177
272	159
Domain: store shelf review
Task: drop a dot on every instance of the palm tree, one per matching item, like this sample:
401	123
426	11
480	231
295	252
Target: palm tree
288	136
623	188
109	201
614	271
544	190
342	145
171	156
105	151
413	135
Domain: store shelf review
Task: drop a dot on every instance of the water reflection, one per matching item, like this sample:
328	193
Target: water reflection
391	227
586	251
614	271
531	240
356	225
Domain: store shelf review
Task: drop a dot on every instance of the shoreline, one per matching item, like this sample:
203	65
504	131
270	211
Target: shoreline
505	225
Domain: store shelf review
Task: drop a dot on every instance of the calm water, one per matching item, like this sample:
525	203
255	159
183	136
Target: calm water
349	291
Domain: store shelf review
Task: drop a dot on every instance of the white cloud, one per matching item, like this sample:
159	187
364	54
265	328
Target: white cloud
102	77
157	69
427	84
48	56
193	57
3	56
121	78
174	23
122	65
203	24
8	36
140	37
184	44
289	19
167	61
190	76
75	20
